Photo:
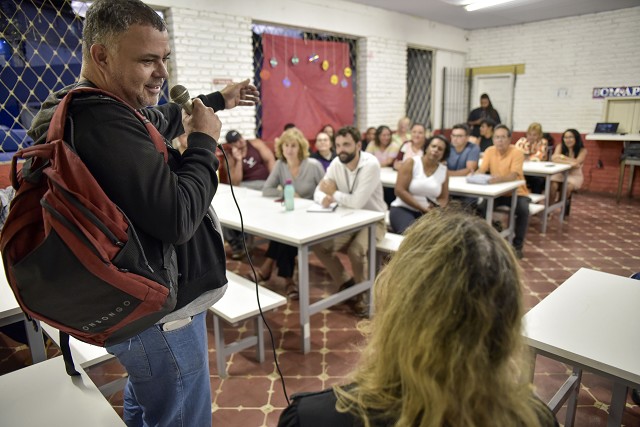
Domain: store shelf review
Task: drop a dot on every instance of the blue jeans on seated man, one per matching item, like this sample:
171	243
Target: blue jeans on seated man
522	216
168	371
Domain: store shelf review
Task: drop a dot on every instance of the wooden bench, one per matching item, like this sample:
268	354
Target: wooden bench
238	304
87	355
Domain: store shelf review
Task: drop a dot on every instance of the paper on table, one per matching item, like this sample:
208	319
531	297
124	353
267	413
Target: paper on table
319	208
482	179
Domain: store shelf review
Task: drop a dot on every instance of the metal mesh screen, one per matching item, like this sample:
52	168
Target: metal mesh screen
419	69
40	52
258	55
454	106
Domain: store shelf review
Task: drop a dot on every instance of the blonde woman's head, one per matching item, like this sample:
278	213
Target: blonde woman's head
446	332
292	136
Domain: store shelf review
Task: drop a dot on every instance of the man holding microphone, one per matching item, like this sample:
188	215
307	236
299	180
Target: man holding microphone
125	50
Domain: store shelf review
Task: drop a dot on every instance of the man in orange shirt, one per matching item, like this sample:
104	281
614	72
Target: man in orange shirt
504	162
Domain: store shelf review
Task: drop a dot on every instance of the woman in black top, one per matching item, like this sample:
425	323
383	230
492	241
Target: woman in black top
445	345
484	111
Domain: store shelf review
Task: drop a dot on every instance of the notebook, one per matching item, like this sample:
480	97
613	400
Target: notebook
316	207
606	128
480	178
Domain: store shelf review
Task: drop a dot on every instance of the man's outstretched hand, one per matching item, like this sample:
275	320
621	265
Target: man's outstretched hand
240	94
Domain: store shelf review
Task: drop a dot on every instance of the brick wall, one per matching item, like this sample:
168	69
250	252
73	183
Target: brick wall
223	51
563	56
567	56
218	40
382	82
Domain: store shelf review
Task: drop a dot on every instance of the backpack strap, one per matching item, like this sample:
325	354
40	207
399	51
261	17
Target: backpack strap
66	355
56	127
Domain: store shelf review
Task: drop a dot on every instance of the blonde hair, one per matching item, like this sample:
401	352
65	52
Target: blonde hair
535	126
295	135
444	347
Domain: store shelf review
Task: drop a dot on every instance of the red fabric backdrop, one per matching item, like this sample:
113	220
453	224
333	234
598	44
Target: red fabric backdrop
311	100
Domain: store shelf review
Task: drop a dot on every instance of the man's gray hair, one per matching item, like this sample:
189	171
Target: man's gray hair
106	19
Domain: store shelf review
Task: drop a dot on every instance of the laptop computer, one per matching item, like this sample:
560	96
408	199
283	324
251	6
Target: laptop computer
606	128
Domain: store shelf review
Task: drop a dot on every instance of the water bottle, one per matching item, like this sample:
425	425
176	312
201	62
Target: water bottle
289	192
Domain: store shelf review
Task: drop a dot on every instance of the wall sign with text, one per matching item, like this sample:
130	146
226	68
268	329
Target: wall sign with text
616	92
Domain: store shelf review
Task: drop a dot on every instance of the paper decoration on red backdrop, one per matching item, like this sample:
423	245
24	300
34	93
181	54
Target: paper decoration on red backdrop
311	99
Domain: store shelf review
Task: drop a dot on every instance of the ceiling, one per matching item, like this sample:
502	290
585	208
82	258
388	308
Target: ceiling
451	12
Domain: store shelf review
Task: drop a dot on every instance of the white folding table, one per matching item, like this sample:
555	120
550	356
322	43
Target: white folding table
265	218
589	322
10	312
545	170
44	395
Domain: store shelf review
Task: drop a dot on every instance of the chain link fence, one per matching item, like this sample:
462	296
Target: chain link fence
40	52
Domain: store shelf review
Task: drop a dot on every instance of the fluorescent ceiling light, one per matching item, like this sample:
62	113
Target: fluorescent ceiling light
481	4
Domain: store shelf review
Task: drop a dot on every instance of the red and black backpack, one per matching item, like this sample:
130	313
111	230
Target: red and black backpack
71	256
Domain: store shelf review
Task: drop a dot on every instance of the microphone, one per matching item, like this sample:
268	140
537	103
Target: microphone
180	95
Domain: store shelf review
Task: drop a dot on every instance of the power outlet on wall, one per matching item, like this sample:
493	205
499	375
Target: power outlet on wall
599	165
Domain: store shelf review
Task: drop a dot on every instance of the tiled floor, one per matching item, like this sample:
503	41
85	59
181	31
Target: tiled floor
599	235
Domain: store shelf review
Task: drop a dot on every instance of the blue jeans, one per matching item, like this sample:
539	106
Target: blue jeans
168	381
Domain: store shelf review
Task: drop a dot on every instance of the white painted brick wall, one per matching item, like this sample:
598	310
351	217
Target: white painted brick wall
382	82
574	54
208	46
205	47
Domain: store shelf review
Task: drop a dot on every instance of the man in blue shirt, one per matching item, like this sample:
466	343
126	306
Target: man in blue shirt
463	159
464	155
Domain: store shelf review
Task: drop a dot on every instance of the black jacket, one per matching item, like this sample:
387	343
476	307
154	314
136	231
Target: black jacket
166	202
318	409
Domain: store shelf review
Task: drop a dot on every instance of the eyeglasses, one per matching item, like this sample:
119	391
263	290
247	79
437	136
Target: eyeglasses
501	137
458	135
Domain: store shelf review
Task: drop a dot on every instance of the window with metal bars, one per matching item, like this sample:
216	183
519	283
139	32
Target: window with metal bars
454	94
258	56
419	69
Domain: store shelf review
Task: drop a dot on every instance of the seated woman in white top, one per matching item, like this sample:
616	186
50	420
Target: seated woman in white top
422	185
292	151
413	147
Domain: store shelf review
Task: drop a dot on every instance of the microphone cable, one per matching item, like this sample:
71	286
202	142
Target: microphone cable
255	276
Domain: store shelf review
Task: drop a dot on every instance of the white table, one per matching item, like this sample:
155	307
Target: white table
10	312
613	137
545	170
44	395
262	217
458	186
590	322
